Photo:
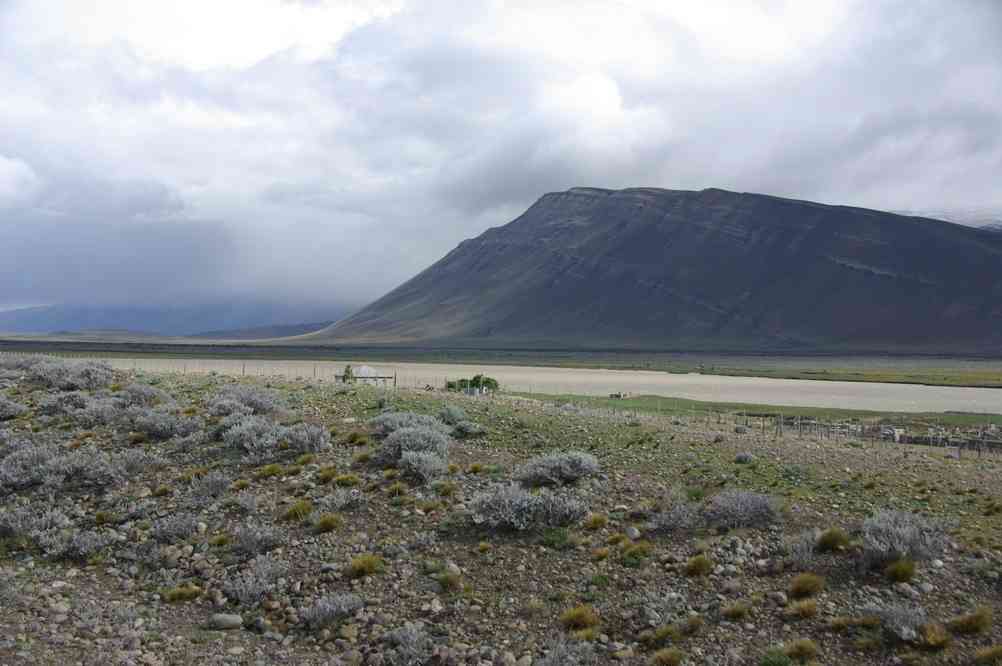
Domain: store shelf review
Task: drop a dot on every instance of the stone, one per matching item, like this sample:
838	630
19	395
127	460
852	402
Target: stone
632	533
225	621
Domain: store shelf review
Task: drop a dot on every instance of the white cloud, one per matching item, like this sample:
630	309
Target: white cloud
18	182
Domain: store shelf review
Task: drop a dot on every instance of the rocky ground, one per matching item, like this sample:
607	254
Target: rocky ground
162	519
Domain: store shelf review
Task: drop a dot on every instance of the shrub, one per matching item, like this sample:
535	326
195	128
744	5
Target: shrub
900	571
10	409
74	546
84	468
411	645
25	465
806	585
738	508
421	466
308	438
568	653
251	587
467	430
385	424
173	529
895	535
596	521
775	657
698	566
344	498
257	400
977	622
228	407
451	414
332	609
558	469
212	484
416	440
62	403
681	516
25	520
247	501
255	436
71	376
579	617
142	395
365	565
833	539
251	540
509	507
159	424
136	461
900	621
801	549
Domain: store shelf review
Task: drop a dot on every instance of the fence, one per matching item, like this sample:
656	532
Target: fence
981	439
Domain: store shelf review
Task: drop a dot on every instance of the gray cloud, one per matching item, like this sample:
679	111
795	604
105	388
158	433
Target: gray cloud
332	177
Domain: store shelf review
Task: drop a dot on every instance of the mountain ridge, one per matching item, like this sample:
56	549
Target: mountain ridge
660	268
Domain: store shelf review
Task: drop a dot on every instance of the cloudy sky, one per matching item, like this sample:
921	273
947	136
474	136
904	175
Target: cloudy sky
318	151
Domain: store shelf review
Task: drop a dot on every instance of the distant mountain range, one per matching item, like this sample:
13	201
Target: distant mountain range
264	332
710	269
234	320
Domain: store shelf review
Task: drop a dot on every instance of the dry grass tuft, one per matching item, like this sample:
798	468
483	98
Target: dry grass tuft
328	522
806	585
299	511
667	657
802	649
579	617
698	566
989	655
365	565
833	539
977	622
900	571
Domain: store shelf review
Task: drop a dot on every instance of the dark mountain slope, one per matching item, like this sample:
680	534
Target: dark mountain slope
710	269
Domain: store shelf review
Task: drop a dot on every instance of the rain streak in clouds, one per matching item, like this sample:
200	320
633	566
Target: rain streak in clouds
325	152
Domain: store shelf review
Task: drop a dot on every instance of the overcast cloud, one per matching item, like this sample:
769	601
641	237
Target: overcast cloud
153	151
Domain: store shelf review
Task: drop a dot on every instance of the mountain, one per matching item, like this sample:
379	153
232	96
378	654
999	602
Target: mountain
264	332
164	320
711	269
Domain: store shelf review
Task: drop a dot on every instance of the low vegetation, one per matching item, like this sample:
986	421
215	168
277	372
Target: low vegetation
188	519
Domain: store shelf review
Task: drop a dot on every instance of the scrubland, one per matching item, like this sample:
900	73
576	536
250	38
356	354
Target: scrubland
160	519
